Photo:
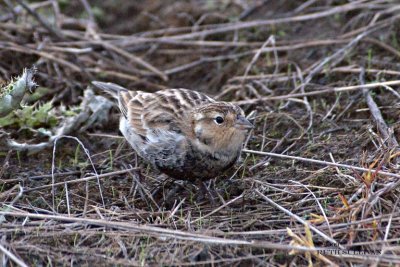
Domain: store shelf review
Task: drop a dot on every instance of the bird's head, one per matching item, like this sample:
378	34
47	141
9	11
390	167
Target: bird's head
220	126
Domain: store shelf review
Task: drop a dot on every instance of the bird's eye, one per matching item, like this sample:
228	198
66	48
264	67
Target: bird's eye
219	120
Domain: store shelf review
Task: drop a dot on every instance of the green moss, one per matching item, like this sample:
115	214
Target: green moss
33	116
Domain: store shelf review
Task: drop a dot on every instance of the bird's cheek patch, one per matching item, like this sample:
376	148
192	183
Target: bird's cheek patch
198	130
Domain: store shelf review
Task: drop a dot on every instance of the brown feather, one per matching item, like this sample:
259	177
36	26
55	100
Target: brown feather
179	131
163	109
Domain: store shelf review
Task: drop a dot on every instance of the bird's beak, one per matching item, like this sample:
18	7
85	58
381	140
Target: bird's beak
243	124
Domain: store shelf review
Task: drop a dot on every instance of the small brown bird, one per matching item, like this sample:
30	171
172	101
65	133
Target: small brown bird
185	134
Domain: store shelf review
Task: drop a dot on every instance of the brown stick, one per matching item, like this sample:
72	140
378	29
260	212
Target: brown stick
384	130
80	180
321	162
321	92
258	23
50	29
159	231
136	59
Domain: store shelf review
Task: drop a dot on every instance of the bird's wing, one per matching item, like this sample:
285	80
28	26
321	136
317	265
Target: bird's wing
169	109
164	110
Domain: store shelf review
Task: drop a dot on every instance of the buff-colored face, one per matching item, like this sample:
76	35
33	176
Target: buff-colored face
221	126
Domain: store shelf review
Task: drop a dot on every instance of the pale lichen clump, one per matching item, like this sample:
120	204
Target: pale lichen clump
11	95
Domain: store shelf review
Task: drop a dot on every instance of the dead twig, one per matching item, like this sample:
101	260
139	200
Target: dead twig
384	130
80	180
51	30
14	258
319	92
327	163
244	25
136	59
159	231
314	229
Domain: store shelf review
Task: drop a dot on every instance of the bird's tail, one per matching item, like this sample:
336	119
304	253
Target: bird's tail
110	88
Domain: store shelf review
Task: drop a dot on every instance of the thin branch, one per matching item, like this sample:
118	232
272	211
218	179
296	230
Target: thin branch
50	29
383	129
81	179
14	258
259	23
218	209
160	232
320	92
136	59
304	222
321	162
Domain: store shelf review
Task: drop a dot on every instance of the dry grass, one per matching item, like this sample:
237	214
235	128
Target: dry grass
320	170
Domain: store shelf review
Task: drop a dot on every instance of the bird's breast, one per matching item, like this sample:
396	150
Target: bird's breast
198	164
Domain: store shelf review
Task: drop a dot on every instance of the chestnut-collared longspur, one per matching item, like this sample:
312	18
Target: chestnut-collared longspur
183	133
